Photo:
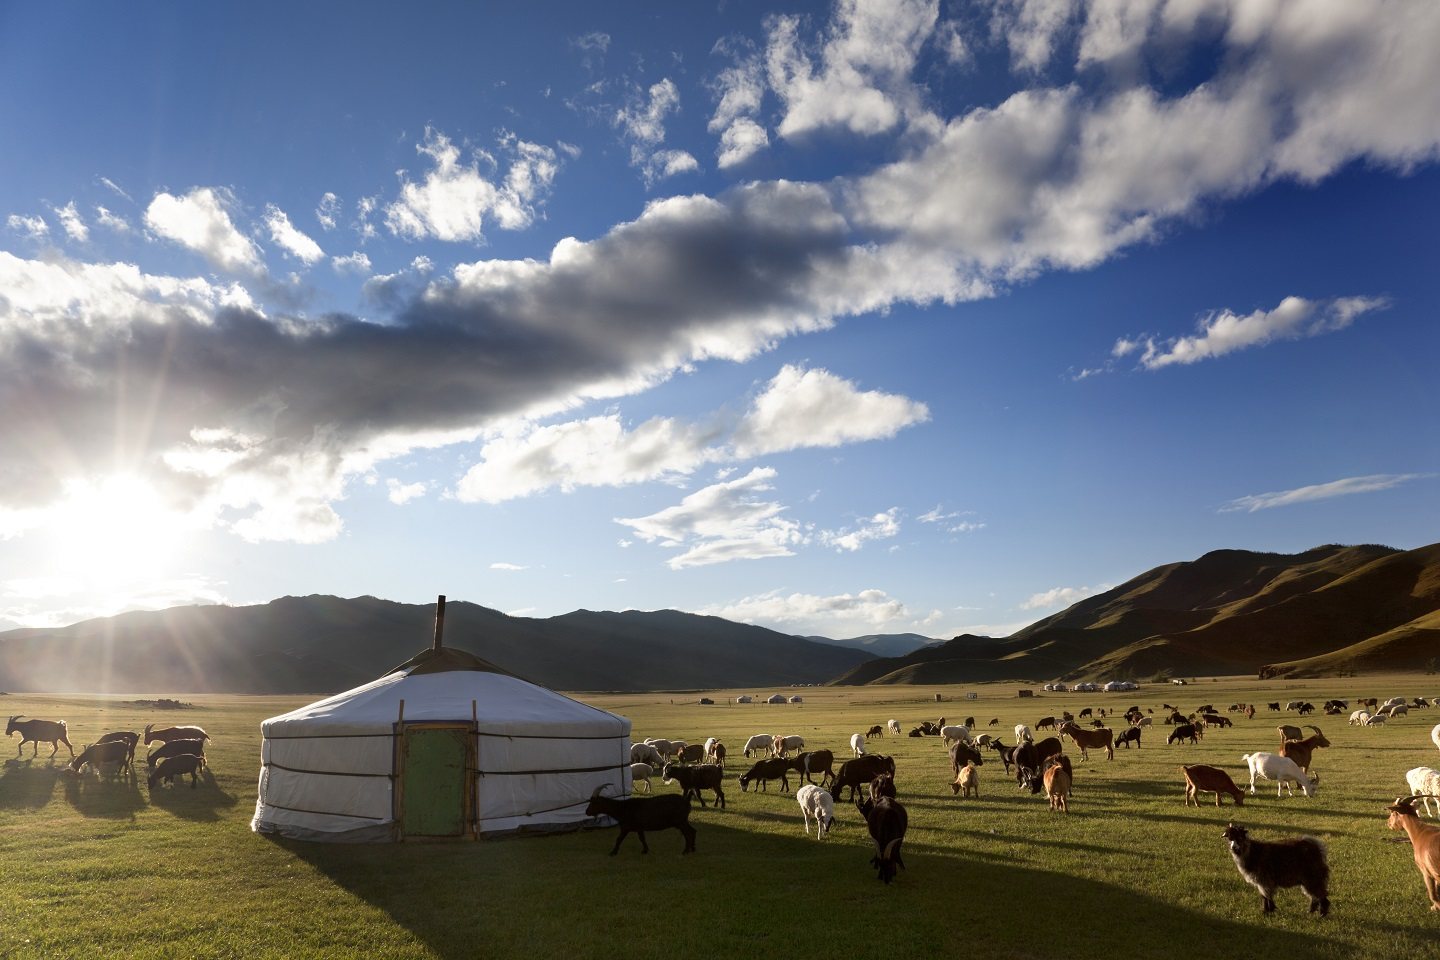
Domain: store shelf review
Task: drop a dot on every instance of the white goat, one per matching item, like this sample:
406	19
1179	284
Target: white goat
1425	782
640	773
955	733
710	745
1022	733
1283	770
857	744
761	741
816	803
894	726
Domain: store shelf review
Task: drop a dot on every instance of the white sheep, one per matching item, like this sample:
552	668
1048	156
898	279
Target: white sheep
1425	782
710	746
955	733
1393	701
1376	720
894	726
761	741
1022	733
1435	735
1398	710
857	744
645	753
667	748
1359	717
816	803
1283	770
640	773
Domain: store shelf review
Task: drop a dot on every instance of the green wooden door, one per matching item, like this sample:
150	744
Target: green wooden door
434	782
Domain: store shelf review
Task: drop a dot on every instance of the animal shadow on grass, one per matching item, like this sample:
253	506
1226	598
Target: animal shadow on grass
27	784
92	797
204	802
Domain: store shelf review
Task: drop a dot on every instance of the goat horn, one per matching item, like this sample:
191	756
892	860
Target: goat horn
598	789
890	848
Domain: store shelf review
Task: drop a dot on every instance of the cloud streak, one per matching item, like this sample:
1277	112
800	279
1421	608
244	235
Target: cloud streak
1321	491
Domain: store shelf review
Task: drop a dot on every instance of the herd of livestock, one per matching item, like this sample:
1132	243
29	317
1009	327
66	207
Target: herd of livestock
1039	766
181	750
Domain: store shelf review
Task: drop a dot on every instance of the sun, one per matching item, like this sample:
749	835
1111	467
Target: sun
114	530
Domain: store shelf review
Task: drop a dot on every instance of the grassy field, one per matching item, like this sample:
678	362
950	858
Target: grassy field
93	869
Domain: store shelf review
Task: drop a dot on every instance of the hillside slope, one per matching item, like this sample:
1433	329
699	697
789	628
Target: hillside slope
324	644
1231	611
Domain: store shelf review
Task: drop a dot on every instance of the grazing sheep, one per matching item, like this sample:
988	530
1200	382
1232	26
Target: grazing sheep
1201	778
641	773
1269	866
818	804
1424	841
857	744
1376	721
1425	784
1359	718
1022	733
1283	770
966	780
955	733
894	726
645	753
761	741
783	745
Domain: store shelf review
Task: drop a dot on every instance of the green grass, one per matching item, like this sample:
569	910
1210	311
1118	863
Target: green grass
93	869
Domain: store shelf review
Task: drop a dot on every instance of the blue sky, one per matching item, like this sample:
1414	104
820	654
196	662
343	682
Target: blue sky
840	319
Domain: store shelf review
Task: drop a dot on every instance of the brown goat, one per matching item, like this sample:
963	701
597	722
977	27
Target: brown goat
1084	739
52	732
1424	841
1301	751
1057	785
1201	778
166	734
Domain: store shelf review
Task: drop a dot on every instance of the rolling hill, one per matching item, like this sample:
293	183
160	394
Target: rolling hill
881	644
322	644
1327	610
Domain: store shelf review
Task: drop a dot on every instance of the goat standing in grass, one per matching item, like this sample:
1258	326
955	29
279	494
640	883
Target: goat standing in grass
1290	863
1424	840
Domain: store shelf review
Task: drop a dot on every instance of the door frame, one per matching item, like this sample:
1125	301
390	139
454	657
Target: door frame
470	797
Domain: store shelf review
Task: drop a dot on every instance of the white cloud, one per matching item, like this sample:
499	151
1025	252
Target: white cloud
33	227
815	408
642	122
881	526
292	241
73	223
798	408
722	522
357	262
1032	28
200	221
403	493
1321	491
1225	332
862	81
327	211
1057	597
741	91
111	221
938	515
870	610
454	199
508	567
365	207
115	188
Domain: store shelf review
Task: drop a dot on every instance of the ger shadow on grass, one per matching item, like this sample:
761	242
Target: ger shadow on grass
28	784
202	802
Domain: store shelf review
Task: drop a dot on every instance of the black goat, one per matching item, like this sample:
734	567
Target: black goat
1183	731
691	753
961	752
882	786
129	739
764	771
1290	863
172	767
176	748
815	761
1030	758
693	779
639	814
887	821
111	754
860	771
1127	736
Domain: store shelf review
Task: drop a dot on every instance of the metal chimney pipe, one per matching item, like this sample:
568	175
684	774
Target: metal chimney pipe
439	621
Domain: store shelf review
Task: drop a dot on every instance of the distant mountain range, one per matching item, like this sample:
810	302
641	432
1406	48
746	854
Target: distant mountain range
882	644
323	644
1328	610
